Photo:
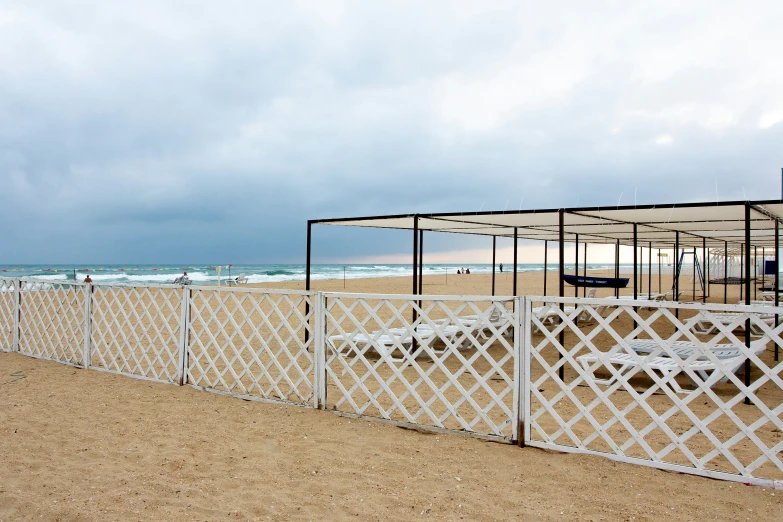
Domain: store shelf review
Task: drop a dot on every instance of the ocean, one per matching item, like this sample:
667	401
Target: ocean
267	273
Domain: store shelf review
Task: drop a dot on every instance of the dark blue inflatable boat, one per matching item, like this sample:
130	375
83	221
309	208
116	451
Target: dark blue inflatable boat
596	282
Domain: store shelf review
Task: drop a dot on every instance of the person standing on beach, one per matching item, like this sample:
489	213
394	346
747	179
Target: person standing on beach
88	279
501	268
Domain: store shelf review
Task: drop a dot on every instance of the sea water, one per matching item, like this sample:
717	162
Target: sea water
201	274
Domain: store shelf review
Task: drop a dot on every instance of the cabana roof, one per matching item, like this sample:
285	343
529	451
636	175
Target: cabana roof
713	224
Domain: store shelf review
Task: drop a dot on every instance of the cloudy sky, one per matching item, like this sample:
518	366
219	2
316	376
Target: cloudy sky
169	132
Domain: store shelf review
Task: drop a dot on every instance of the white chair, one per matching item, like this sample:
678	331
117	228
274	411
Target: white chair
239	280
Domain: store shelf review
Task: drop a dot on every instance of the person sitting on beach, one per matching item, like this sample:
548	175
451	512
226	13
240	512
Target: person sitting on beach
467	271
458	272
88	279
182	280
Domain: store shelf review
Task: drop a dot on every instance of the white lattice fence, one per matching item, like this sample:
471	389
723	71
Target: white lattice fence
8	297
53	318
446	362
661	385
137	331
252	343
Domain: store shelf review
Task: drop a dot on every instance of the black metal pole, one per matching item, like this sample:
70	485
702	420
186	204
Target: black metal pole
617	265
635	264
641	270
747	293
709	275
777	270
676	296
494	244
561	255
725	272
649	271
546	252
576	267
307	277
415	254
635	269
584	270
755	270
421	262
703	268
693	279
515	262
742	271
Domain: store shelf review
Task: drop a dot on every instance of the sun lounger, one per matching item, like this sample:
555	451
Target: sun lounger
483	324
389	341
728	359
708	326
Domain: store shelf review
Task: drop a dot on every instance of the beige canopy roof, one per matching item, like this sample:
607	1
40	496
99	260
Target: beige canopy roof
697	223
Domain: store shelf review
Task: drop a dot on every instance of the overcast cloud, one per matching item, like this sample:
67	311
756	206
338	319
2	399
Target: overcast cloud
163	132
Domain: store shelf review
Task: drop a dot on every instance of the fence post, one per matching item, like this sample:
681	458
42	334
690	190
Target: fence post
17	314
319	351
525	376
521	332
87	350
184	326
517	426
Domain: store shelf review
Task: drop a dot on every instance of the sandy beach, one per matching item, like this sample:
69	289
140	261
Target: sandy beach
84	445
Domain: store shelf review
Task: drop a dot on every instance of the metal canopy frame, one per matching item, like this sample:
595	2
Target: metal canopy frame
686	225
700	224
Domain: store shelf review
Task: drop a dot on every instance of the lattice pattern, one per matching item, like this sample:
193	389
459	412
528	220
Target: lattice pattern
52	320
7	311
136	331
650	387
447	363
252	343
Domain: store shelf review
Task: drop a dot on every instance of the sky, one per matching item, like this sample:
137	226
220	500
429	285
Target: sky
164	132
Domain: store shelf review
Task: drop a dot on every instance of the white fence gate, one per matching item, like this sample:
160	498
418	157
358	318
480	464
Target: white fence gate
670	385
53	321
658	384
137	331
253	343
443	362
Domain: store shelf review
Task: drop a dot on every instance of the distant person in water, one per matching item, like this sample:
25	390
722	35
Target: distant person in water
88	279
501	267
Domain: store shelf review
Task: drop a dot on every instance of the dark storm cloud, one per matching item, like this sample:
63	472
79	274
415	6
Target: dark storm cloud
167	132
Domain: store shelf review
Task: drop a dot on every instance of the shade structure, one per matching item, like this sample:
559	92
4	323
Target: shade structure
699	224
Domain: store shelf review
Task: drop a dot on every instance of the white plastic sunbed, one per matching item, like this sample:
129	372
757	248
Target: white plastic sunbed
730	358
707	326
391	340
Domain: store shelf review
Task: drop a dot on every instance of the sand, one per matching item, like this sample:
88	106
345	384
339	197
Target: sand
78	444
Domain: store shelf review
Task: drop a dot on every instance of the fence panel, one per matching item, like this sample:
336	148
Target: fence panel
52	320
253	343
7	313
136	331
442	362
659	384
